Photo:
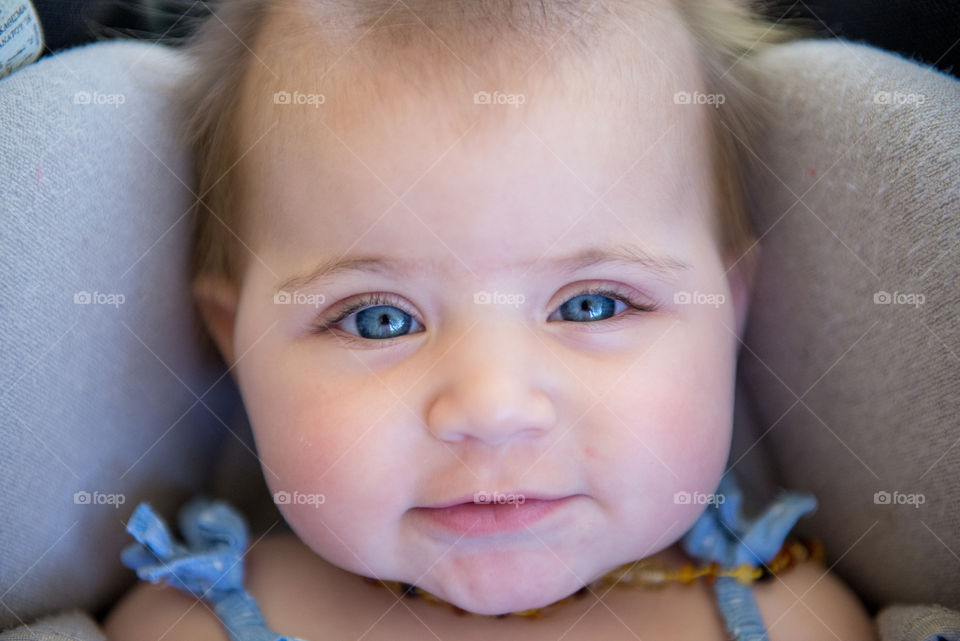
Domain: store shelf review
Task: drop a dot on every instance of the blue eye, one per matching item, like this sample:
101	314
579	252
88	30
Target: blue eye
381	316
376	317
589	307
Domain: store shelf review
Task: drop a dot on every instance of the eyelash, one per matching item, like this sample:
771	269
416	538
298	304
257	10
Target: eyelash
379	298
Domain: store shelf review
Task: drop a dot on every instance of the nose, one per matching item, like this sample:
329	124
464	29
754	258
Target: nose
492	388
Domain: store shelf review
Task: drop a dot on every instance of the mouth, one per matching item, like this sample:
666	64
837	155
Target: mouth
485	514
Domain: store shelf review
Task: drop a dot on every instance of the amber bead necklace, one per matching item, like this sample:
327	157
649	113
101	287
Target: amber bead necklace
647	574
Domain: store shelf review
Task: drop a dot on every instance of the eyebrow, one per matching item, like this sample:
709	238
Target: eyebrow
627	255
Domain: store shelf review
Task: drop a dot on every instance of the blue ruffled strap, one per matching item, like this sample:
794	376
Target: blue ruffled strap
209	566
723	535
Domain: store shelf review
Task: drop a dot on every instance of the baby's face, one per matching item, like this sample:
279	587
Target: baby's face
478	356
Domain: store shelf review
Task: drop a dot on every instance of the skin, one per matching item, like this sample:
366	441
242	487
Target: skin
620	414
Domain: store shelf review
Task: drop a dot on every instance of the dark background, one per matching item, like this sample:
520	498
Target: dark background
924	30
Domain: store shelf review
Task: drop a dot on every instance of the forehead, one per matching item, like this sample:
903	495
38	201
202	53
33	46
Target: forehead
430	143
387	64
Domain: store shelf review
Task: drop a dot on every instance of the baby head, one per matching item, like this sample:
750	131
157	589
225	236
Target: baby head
467	246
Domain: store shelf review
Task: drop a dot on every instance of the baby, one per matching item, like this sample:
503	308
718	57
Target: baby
480	269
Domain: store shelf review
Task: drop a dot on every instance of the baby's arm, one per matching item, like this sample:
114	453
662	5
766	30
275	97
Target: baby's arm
808	603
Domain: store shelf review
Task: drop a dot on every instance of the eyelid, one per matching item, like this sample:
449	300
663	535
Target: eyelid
630	296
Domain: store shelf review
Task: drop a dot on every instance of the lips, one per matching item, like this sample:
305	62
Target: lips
496	498
476	519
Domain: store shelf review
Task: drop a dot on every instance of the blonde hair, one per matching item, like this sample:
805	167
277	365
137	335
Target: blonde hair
725	34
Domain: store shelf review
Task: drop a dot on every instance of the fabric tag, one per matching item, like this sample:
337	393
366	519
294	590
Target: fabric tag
21	40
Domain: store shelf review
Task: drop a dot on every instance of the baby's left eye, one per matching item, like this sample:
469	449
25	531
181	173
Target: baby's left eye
598	305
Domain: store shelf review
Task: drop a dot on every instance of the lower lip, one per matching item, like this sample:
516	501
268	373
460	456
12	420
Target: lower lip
482	519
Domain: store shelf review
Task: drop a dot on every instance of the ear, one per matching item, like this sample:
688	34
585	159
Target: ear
216	299
741	277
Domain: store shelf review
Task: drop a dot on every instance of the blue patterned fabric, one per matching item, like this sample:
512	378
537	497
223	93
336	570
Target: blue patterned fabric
722	534
210	565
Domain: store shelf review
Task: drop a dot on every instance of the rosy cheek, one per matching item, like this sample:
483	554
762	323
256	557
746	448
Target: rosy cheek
308	448
672	436
698	448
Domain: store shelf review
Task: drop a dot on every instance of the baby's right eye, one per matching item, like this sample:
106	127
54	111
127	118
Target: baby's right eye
375	317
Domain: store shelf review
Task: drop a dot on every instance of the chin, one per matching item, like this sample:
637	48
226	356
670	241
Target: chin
500	605
485	598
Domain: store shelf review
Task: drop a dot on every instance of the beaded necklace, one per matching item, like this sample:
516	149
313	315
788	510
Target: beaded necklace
646	574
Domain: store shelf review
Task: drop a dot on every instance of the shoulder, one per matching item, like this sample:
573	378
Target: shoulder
808	603
157	611
149	612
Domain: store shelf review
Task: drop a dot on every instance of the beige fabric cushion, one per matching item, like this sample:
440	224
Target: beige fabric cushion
66	626
857	193
96	400
917	623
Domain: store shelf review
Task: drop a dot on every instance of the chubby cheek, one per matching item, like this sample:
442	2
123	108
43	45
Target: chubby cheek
326	440
667	432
